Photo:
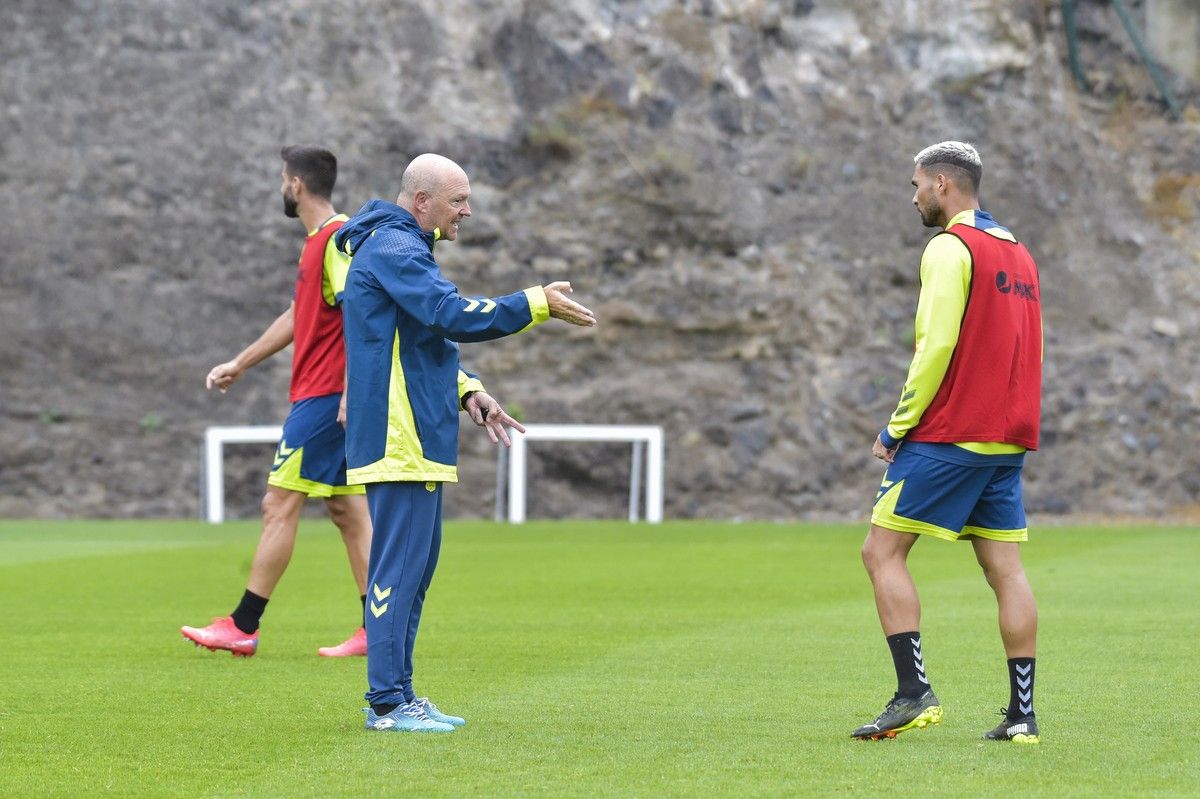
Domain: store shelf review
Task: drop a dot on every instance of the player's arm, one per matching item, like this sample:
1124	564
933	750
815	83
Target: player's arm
945	284
333	273
273	339
333	286
415	283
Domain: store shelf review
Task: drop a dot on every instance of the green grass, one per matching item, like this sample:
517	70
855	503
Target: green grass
592	659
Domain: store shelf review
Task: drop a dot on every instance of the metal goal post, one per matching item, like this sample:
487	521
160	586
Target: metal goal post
647	437
215	439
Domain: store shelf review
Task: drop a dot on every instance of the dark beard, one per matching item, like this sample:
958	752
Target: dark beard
289	207
929	217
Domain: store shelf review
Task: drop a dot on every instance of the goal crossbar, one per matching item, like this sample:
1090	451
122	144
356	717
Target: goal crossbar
649	437
215	439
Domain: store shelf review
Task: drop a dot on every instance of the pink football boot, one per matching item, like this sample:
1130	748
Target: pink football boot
354	646
223	634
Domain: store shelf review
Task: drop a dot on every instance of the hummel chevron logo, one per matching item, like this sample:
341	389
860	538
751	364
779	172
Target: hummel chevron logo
283	453
1024	671
379	610
919	662
887	485
1024	696
1027	709
1024	683
487	304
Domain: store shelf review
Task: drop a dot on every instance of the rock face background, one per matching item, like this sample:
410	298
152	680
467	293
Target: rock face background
725	181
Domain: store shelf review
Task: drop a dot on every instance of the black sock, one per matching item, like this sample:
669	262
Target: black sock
383	710
910	664
249	611
1020	687
364	616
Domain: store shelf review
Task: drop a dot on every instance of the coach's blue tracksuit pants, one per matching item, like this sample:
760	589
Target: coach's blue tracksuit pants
407	535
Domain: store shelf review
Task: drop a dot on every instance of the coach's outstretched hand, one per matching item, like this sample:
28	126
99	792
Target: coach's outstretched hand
223	376
487	413
564	308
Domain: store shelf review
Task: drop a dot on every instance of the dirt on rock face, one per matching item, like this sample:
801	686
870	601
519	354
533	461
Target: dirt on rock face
726	182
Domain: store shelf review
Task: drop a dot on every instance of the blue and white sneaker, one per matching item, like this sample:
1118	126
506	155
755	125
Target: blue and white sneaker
432	712
405	718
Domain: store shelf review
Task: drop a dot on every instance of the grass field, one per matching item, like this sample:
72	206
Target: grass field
591	659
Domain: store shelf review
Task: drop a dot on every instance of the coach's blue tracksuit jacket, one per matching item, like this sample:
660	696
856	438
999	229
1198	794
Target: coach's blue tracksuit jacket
401	322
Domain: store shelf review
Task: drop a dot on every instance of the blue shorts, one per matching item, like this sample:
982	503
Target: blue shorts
311	457
946	491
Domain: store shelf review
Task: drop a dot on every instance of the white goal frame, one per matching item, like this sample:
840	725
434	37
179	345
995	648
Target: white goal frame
215	439
651	436
640	436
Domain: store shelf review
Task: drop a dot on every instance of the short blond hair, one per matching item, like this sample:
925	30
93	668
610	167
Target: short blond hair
957	154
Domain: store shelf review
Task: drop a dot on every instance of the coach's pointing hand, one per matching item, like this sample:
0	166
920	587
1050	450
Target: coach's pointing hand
487	413
566	309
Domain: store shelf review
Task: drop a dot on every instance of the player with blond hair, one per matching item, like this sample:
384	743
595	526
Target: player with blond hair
956	442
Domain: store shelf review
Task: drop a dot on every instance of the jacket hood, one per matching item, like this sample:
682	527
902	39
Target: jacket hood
376	214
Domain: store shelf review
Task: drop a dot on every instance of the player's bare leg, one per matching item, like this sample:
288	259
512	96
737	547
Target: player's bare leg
281	516
1001	563
353	519
238	632
885	555
349	512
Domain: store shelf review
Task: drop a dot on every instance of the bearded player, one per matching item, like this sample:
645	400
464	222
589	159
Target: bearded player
956	442
311	459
